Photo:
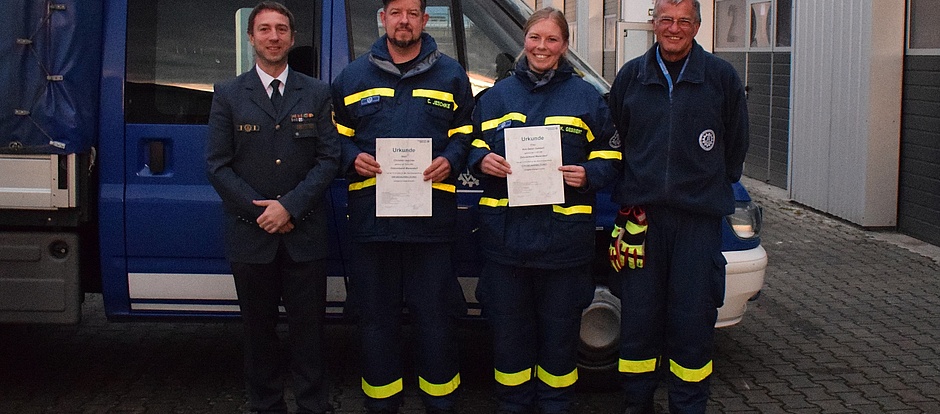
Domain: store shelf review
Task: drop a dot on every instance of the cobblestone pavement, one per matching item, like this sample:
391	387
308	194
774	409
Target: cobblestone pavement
848	322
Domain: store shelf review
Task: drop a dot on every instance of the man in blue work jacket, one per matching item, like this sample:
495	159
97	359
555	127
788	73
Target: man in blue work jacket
404	88
272	153
682	115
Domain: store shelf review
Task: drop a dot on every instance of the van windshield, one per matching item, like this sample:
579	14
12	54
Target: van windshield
486	40
177	49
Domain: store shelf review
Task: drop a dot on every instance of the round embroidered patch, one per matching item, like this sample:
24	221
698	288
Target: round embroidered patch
706	140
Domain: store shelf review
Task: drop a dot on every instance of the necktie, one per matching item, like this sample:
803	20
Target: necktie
276	94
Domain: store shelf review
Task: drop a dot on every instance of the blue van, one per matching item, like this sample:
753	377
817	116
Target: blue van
143	225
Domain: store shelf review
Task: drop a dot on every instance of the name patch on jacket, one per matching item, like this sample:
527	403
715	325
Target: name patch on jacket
247	128
572	130
440	103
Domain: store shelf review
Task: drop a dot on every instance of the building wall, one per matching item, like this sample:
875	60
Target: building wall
845	125
766	76
919	190
609	69
846	170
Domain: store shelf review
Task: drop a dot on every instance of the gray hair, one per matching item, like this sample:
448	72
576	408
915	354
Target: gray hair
695	4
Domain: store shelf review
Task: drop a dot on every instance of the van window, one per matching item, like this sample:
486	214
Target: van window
486	40
484	47
177	49
366	25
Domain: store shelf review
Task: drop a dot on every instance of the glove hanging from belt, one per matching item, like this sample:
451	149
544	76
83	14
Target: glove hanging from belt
628	239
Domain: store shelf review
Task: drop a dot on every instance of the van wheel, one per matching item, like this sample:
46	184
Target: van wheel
599	346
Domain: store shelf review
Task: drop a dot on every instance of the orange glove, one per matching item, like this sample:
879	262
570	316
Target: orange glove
628	239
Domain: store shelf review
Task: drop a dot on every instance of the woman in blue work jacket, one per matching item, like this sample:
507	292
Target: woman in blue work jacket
537	280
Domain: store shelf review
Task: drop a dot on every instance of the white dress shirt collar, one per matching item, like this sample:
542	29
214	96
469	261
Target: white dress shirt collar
266	80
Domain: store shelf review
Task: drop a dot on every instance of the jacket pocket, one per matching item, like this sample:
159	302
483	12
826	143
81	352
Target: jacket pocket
438	112
360	110
492	226
572	235
306	131
361	210
718	280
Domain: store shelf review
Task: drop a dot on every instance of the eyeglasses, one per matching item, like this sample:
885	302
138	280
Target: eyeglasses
665	22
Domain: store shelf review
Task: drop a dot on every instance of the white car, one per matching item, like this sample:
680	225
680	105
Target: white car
744	279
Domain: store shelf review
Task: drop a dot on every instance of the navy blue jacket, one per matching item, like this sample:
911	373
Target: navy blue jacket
373	99
254	153
545	236
684	149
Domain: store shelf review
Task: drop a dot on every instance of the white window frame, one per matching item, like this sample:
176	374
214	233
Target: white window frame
610	33
750	28
747	31
907	38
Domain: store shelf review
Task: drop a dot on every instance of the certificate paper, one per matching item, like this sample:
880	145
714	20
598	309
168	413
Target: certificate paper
400	190
534	154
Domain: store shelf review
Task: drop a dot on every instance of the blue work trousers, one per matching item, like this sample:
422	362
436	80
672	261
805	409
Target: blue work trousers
535	316
385	277
669	309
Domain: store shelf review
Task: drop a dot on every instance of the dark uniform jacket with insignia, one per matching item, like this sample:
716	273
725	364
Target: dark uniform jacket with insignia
682	149
544	236
291	156
374	99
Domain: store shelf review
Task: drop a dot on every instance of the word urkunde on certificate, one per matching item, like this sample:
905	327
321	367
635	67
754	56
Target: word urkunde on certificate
400	190
534	155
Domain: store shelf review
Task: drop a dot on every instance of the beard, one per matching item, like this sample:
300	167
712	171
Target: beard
406	42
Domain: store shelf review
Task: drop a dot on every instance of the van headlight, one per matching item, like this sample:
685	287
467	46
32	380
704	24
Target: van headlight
746	220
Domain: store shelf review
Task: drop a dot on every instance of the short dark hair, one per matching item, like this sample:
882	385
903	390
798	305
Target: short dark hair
270	5
424	4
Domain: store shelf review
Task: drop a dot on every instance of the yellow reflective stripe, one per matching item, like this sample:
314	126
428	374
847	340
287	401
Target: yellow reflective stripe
430	93
607	155
493	123
450	188
369	182
637	367
439	390
479	143
557	381
572	210
492	202
383	391
466	129
634	228
356	97
345	130
688	374
571	121
513	379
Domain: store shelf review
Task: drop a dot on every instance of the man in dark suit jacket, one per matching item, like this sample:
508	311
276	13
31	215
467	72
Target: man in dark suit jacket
271	155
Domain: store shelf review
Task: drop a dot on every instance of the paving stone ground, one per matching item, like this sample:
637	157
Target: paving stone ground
848	322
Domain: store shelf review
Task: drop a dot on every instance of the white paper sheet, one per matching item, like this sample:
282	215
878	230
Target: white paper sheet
400	191
534	155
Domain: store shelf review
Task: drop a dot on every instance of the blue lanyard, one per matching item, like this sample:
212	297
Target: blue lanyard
662	66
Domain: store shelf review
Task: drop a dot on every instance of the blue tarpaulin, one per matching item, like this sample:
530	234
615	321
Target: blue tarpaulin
50	64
